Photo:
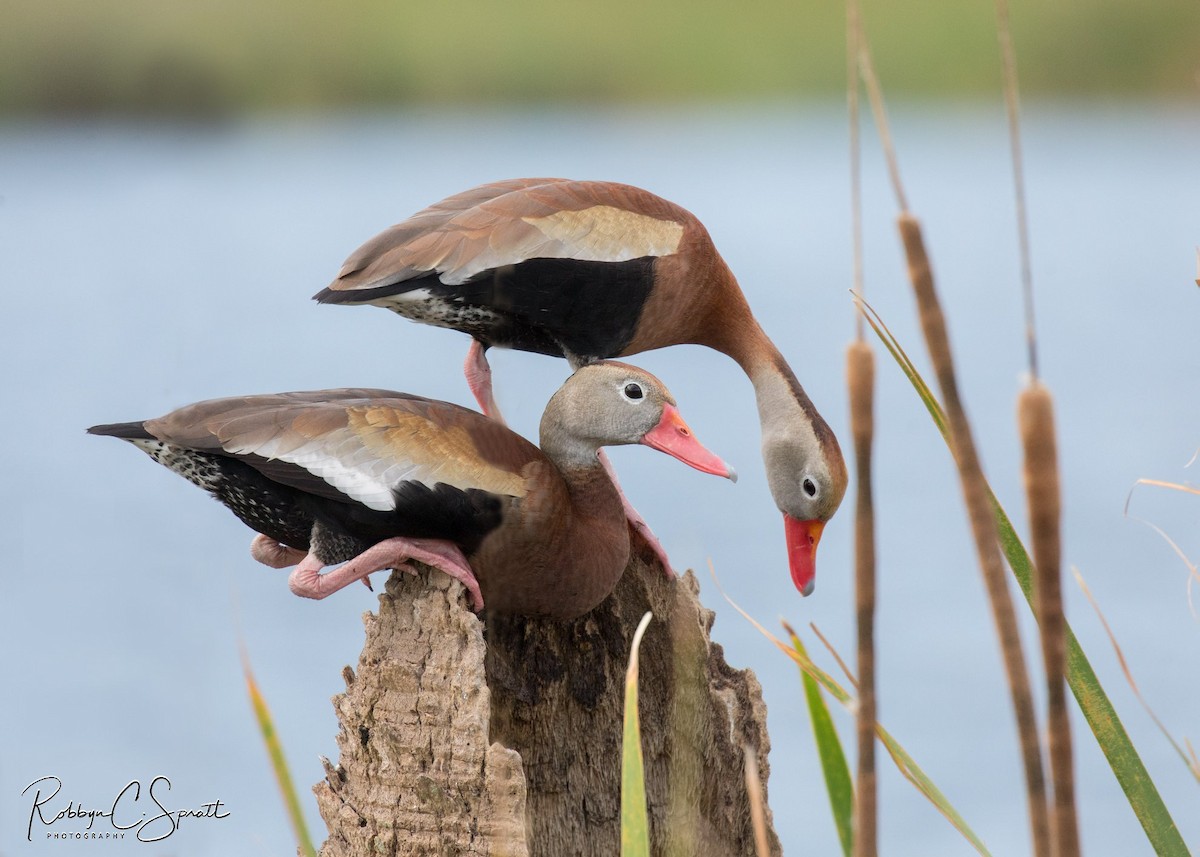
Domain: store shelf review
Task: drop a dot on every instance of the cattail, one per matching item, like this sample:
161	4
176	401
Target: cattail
860	377
983	527
860	373
1035	416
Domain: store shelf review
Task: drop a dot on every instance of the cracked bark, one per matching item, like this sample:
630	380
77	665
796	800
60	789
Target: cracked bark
501	735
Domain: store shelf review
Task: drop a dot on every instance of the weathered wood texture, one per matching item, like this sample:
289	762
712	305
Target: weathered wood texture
428	768
417	775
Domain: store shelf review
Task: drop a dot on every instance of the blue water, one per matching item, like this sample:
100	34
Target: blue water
143	267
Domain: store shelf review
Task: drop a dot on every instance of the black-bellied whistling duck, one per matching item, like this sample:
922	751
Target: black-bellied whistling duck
374	479
593	270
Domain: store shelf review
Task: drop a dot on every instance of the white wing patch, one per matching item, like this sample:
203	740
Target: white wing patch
366	459
337	457
601	233
606	234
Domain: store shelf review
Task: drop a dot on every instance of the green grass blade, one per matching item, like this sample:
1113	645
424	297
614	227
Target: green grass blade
904	762
635	826
838	781
1127	766
1110	733
283	777
913	773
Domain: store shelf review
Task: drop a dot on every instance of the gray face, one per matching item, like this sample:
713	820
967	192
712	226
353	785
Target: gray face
607	404
799	477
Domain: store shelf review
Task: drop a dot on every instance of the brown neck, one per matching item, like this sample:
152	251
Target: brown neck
782	401
592	493
598	529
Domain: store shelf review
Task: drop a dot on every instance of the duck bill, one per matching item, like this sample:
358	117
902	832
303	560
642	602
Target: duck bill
673	437
802	540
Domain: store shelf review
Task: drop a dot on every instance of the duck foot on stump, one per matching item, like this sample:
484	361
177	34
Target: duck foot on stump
307	580
273	554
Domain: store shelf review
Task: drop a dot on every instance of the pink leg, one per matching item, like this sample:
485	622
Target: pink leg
270	552
479	379
276	555
636	520
308	582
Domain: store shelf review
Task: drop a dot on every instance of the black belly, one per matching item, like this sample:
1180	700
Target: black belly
562	307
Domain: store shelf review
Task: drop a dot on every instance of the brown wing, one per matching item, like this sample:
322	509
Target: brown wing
355	444
506	223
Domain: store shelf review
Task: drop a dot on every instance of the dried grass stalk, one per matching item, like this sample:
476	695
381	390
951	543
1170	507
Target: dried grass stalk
758	813
983	527
1035	416
860	373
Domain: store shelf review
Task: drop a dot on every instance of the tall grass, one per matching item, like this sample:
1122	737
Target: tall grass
1144	798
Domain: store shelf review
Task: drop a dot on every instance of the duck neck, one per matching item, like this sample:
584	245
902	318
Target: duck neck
782	402
594	496
793	432
569	452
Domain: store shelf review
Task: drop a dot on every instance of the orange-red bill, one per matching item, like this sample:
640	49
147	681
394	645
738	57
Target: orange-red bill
673	437
802	540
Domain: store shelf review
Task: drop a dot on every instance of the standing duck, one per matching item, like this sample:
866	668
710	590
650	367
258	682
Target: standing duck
592	270
375	479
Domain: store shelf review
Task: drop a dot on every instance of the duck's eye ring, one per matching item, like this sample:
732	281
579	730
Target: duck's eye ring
633	391
810	488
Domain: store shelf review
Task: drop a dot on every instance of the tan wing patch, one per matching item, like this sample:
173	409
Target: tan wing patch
603	233
436	454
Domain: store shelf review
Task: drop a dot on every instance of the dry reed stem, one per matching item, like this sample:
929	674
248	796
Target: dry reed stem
758	815
834	653
1035	416
879	110
1008	57
1161	483
853	40
983	527
860	372
1193	570
1189	756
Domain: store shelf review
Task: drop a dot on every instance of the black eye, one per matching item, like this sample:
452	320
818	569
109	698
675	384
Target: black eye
633	391
809	488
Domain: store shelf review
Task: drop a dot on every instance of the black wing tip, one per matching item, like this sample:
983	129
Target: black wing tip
125	431
329	296
368	294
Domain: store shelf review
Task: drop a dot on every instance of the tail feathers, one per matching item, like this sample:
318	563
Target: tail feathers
357	296
384	288
125	431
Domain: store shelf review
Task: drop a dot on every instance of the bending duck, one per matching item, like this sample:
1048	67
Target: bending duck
591	270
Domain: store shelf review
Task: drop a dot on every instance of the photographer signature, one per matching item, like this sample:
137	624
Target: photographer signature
125	813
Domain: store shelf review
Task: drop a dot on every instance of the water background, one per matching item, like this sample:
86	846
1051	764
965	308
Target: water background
143	267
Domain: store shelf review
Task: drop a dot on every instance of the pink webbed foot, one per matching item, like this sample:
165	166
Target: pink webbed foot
479	379
307	580
637	521
271	553
277	555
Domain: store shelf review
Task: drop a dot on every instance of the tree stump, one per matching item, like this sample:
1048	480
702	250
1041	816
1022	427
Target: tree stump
501	735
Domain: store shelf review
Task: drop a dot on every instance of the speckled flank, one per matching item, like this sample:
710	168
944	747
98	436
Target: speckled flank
423	306
332	546
200	470
262	505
